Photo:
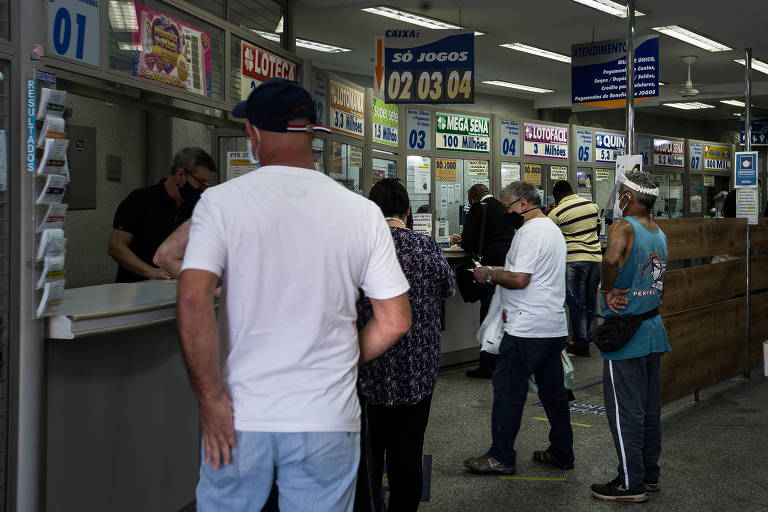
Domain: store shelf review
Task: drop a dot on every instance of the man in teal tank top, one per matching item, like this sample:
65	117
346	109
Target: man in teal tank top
632	283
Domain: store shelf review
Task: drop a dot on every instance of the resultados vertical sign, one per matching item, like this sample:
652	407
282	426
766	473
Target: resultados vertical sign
257	66
385	123
545	141
347	110
457	132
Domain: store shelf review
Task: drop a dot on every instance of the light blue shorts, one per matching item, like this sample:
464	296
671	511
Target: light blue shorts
315	471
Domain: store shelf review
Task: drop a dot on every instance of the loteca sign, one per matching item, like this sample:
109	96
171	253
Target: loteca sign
259	65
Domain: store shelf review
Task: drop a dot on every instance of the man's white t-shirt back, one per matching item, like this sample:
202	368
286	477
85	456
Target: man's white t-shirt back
538	310
294	247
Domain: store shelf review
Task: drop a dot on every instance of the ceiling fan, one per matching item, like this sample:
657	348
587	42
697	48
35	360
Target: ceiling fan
688	90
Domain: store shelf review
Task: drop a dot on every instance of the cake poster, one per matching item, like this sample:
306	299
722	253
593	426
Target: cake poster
171	52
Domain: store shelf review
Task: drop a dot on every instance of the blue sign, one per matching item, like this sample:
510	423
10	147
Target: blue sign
584	145
644	149
695	150
599	74
419	126
510	138
74	29
746	169
609	146
759	131
31	117
429	66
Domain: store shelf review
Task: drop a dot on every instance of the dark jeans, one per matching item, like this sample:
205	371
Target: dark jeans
582	279
632	393
518	359
487	360
398	431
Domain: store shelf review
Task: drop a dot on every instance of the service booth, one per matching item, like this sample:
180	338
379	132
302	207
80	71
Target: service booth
709	169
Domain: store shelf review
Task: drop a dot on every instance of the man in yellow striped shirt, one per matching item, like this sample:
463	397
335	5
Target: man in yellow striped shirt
579	220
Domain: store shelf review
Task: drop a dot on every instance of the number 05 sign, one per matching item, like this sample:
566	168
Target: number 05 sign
73	29
426	66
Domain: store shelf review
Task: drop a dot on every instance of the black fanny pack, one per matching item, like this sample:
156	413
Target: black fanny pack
616	331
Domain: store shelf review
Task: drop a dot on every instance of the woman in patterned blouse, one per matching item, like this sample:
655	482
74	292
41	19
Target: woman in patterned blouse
398	385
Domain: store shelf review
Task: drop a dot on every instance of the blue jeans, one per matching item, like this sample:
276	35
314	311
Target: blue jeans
315	471
581	280
518	359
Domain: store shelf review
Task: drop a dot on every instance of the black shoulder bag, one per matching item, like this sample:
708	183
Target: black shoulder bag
471	290
616	331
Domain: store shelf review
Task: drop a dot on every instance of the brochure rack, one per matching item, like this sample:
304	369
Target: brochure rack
47	165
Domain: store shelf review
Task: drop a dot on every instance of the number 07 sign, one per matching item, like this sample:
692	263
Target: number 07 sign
74	27
427	66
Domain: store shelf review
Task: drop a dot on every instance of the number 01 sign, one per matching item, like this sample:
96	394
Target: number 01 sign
424	66
73	29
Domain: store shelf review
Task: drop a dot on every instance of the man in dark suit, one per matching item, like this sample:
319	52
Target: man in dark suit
498	237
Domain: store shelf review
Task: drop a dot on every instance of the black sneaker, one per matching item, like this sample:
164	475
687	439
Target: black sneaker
615	491
652	486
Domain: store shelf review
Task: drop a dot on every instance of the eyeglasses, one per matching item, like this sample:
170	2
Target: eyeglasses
506	206
203	183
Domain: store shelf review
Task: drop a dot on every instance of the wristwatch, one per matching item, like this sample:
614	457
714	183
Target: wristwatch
489	276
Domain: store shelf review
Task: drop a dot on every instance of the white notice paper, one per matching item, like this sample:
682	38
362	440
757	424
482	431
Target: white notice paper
53	291
53	269
746	204
54	159
421	177
52	243
52	103
53	191
442	231
510	171
238	163
53	128
54	217
422	223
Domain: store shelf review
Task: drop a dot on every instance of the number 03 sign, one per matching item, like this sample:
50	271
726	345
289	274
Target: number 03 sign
73	29
424	66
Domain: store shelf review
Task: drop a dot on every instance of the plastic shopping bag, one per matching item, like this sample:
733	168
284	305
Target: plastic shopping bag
492	329
567	374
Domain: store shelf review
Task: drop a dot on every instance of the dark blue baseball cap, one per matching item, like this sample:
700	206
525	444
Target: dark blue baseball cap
274	103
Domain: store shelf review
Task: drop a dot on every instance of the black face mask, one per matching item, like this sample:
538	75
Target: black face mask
515	219
189	194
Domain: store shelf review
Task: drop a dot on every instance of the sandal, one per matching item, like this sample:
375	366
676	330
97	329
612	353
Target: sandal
546	457
485	465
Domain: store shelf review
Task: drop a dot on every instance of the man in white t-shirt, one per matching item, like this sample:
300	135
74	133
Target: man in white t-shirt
293	248
535	332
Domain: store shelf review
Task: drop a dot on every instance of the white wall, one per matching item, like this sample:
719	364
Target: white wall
120	131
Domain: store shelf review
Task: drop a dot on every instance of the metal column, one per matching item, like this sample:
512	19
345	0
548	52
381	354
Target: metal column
748	147
630	76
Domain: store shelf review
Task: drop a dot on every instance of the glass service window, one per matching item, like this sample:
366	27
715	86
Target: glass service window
318	150
714	191
382	168
344	163
418	182
124	53
603	183
585	184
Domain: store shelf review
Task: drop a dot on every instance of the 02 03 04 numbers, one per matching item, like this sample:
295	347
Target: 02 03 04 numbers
430	86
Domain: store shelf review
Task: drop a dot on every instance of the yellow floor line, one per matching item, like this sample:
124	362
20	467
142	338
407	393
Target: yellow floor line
574	424
542	478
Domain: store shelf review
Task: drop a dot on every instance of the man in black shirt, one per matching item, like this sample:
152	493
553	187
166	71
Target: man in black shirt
148	215
499	231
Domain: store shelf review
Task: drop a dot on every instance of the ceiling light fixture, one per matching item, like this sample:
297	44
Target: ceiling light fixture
130	47
304	43
692	38
735	103
520	47
509	85
415	19
122	16
691	105
609	6
757	65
